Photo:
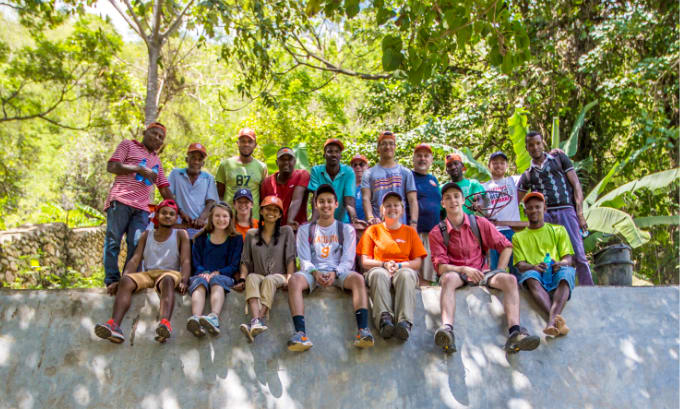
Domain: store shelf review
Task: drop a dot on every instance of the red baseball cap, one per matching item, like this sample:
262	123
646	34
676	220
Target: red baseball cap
335	141
157	125
247	132
165	203
272	200
454	156
197	147
358	158
423	147
386	134
533	195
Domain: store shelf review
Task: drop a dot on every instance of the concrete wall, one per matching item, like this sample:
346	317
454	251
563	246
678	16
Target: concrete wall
54	248
622	352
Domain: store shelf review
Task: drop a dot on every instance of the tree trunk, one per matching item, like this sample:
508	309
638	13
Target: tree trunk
152	88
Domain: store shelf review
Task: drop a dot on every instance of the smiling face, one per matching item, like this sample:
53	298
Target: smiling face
286	164
270	213
195	161
452	201
534	209
167	216
326	204
392	208
386	149
454	169
332	153
153	139
422	161
534	145
243	206
359	168
246	145
498	167
220	218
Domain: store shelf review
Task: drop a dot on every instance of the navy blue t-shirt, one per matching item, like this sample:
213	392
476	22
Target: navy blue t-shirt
429	201
207	257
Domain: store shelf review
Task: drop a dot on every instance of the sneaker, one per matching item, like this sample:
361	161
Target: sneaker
257	327
194	326
403	330
386	325
163	331
445	339
521	341
111	331
245	328
364	339
211	323
299	342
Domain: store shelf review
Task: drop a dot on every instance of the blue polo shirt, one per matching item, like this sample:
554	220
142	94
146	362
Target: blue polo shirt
190	197
359	204
429	201
343	184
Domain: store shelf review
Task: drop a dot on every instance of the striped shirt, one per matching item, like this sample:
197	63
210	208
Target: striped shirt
382	180
127	189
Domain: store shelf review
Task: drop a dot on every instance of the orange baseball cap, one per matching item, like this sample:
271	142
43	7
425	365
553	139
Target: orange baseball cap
272	200
247	132
533	195
385	135
358	158
454	156
157	125
197	147
335	141
423	147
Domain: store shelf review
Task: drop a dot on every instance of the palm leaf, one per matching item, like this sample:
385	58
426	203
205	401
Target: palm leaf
555	133
654	181
571	145
613	221
517	126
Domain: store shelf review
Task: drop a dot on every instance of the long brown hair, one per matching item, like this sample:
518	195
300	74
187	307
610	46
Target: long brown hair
210	227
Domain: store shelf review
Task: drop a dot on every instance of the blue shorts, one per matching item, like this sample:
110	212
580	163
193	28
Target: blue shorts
339	280
225	282
567	274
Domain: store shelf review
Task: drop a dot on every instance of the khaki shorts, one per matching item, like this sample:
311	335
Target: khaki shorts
151	278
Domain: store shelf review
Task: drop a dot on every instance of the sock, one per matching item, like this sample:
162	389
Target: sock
362	317
450	326
299	323
513	328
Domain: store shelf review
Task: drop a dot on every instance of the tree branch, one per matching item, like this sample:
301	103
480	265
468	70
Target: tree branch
136	26
155	29
178	21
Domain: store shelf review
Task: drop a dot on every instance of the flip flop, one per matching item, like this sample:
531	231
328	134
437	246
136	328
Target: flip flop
551	331
561	325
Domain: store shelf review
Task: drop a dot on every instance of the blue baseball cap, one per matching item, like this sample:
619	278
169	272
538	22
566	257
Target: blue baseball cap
497	154
243	193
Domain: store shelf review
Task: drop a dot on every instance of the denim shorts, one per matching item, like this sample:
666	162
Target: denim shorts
338	282
223	281
565	273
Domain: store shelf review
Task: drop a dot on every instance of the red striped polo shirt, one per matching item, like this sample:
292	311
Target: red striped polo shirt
126	189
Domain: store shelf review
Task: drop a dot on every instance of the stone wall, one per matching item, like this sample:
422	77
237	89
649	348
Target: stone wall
39	250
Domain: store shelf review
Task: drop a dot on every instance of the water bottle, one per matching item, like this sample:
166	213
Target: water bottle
547	274
147	181
139	177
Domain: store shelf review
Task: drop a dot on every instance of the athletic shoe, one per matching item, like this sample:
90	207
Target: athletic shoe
211	323
194	326
364	339
520	340
403	330
163	331
245	328
257	326
111	331
299	342
445	339
386	325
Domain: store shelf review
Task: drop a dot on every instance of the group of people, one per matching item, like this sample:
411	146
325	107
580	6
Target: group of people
379	232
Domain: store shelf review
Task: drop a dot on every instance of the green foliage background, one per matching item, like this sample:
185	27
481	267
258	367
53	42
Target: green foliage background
455	91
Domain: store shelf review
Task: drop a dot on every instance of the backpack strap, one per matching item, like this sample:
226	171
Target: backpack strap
475	229
445	233
341	234
310	239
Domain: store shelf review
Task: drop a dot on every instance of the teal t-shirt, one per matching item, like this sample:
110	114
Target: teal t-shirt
343	184
469	187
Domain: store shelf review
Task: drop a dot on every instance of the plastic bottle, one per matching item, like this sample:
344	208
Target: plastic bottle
147	181
547	274
139	177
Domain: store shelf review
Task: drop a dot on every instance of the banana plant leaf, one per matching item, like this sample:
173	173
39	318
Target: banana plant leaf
614	221
651	221
654	181
571	145
517	126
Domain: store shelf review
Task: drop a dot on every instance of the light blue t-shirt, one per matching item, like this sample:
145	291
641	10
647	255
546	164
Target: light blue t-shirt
343	184
191	198
384	180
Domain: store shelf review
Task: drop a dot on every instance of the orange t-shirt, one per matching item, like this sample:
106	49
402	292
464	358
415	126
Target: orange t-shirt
382	244
243	230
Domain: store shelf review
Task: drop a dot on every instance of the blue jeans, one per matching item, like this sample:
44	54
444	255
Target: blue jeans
493	254
121	219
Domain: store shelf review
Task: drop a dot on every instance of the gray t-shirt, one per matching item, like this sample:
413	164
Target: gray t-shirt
510	213
384	180
268	258
327	254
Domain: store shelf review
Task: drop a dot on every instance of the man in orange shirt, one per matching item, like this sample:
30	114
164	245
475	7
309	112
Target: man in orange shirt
392	252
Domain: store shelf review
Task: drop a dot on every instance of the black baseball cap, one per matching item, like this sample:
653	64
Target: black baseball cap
325	188
497	154
451	185
243	193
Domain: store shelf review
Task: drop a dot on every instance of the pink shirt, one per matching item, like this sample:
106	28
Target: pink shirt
463	247
126	189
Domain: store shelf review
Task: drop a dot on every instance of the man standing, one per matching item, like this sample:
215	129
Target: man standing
388	176
532	247
429	199
242	171
359	164
137	168
498	165
289	185
455	169
340	176
194	189
458	246
553	175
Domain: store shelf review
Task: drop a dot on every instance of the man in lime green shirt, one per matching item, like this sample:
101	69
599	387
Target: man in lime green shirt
242	171
544	257
455	169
